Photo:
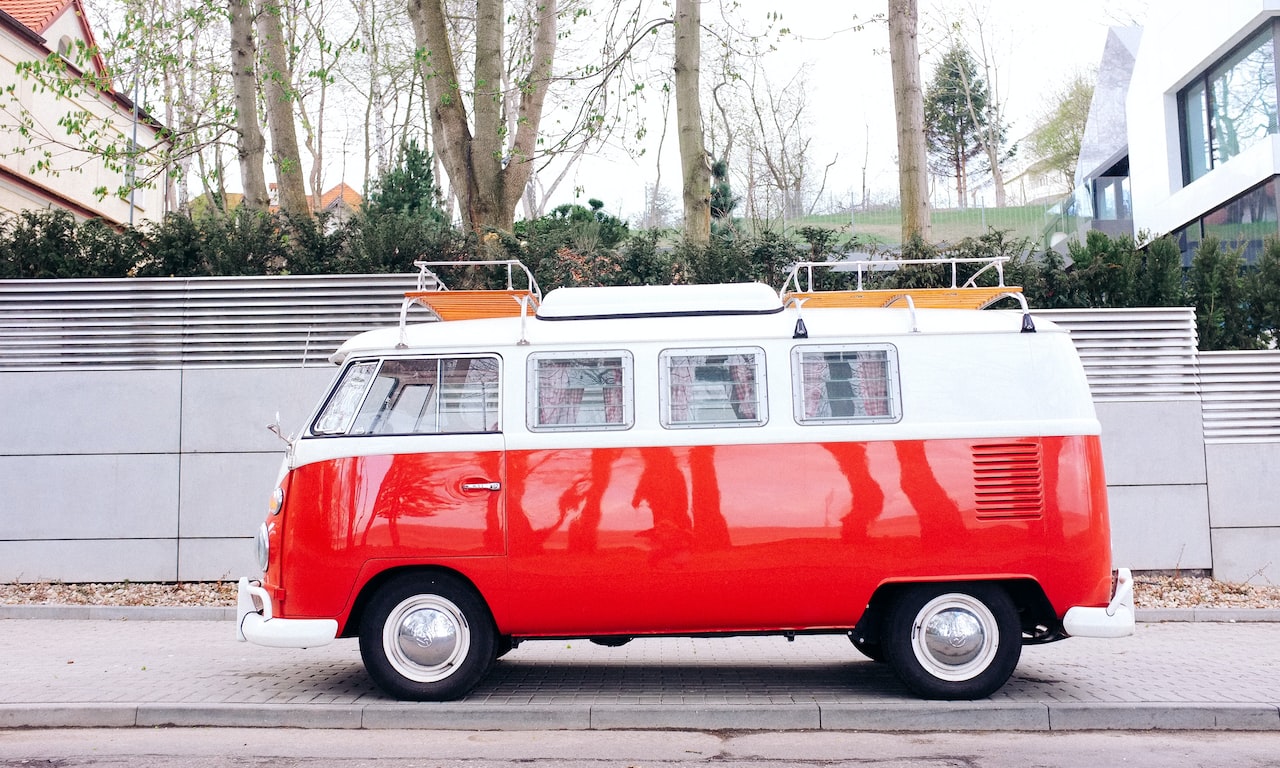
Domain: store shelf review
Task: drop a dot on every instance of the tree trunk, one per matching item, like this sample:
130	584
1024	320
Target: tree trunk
908	102
251	147
693	154
279	93
486	174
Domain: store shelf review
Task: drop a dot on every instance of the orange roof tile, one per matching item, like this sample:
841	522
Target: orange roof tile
35	15
348	196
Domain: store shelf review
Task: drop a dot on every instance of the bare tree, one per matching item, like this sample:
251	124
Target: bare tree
1055	141
908	101
252	146
488	174
279	95
695	170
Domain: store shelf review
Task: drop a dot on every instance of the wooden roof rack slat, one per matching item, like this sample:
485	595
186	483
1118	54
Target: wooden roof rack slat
799	285
925	298
472	304
967	296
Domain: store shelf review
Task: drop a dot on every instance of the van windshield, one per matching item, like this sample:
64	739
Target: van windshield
414	396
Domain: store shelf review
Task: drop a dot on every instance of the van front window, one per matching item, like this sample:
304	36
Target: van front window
415	396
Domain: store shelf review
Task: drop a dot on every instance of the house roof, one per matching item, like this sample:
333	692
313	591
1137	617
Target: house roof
35	15
38	15
340	193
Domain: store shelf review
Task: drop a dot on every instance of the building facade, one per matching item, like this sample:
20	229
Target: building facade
44	162
1184	130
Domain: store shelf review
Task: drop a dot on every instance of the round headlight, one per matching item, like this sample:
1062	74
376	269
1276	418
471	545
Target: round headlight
262	547
277	500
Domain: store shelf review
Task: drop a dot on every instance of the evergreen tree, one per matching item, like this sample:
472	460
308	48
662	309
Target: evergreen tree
955	108
408	187
722	199
1160	280
1216	287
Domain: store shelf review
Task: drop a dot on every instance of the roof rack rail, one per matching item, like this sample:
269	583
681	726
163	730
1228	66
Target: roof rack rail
446	304
968	295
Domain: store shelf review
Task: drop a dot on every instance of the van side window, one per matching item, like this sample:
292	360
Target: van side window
414	396
576	390
846	383
712	387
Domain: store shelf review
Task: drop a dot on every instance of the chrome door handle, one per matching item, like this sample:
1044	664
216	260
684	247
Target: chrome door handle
482	486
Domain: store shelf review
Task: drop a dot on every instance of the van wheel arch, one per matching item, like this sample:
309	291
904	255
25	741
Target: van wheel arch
1034	611
371	587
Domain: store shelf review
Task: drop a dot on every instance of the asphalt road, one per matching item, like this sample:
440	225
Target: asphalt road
215	748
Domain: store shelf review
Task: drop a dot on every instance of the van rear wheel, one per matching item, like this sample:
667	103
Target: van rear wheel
953	641
427	637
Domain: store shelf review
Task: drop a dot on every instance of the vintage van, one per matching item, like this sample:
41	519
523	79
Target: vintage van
613	463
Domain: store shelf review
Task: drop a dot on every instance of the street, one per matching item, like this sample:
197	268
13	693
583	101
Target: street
283	748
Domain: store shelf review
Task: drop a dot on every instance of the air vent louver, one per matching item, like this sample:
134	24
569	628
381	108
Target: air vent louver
1008	481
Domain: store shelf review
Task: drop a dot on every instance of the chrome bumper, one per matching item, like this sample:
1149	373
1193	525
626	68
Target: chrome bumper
1116	620
256	624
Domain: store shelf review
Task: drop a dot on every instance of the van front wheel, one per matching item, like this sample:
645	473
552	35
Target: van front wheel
958	641
427	637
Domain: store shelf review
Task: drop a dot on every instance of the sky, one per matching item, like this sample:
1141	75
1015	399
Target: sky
1036	46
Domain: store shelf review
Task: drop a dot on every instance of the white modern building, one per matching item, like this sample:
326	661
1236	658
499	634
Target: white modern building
1184	131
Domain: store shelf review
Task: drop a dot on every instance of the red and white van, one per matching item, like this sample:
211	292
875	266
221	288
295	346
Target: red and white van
611	463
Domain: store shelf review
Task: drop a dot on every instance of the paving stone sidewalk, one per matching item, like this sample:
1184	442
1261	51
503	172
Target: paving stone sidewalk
130	672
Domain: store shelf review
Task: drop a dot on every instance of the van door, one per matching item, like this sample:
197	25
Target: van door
404	464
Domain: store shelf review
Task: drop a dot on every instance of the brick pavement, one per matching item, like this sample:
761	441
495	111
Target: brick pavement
131	672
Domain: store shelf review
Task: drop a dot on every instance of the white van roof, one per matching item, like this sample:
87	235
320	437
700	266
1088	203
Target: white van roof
628	323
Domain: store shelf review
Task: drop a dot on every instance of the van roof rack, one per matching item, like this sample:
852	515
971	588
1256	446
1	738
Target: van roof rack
446	304
798	287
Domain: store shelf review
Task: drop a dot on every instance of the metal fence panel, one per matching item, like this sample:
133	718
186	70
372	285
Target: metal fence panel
1134	354
201	321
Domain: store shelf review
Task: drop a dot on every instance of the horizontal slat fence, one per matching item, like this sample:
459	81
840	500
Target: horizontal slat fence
201	322
1134	354
1240	396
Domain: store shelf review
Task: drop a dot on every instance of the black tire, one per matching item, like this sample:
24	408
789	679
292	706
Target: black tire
427	637
953	641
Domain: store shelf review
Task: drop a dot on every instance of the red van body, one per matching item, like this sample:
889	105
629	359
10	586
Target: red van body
695	460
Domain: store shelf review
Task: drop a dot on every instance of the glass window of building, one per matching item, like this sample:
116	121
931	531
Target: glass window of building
1246	221
1231	108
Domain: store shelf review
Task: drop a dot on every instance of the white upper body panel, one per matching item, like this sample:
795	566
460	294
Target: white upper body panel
961	373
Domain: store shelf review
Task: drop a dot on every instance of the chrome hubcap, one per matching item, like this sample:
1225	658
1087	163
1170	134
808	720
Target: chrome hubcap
955	637
426	638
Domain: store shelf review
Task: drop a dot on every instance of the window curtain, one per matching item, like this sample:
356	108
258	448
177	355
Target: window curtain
742	372
814	373
874	386
557	401
611	378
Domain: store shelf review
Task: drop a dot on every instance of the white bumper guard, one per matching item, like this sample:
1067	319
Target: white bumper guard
255	623
1116	620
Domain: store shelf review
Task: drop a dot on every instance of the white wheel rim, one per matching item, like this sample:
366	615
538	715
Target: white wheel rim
955	637
426	638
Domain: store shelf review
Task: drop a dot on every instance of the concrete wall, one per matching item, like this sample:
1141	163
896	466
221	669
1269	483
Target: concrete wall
1157	484
162	475
154	475
1244	511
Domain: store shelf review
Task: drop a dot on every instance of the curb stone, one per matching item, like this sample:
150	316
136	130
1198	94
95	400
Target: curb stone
920	716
